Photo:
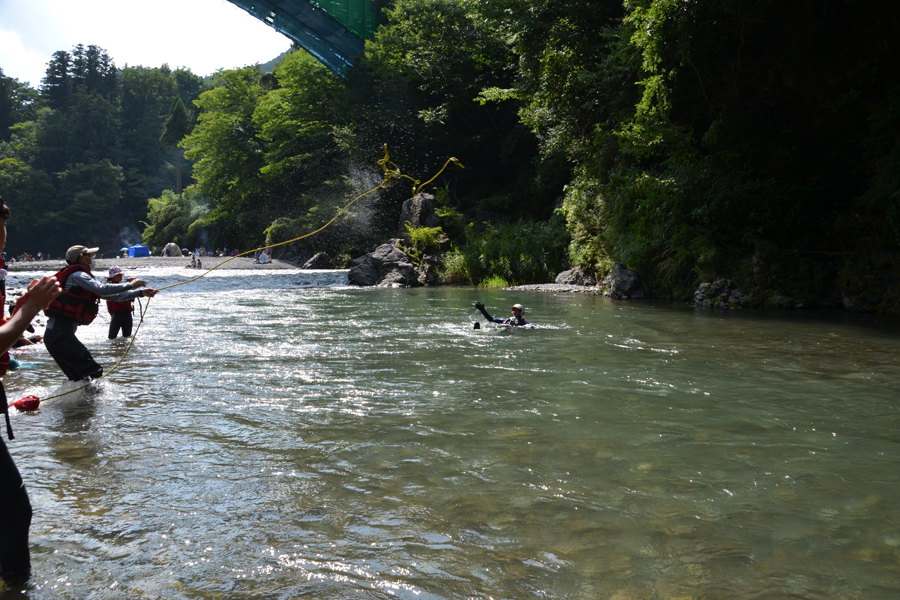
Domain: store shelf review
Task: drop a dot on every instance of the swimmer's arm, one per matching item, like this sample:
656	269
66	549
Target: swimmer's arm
489	317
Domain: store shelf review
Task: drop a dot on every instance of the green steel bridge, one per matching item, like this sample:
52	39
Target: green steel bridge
331	30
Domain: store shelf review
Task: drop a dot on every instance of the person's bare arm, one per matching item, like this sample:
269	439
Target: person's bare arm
41	292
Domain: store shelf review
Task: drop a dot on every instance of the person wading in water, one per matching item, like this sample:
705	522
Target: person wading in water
78	305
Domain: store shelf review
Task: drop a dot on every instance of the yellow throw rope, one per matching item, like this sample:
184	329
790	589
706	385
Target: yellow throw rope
391	171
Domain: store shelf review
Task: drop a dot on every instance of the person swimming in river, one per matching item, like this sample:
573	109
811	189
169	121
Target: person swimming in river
516	320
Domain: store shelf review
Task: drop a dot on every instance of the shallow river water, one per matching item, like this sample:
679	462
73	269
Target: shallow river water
281	435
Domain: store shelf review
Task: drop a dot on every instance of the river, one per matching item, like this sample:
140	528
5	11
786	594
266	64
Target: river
281	435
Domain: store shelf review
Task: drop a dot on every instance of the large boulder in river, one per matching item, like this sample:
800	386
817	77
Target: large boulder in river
387	266
575	276
319	261
419	211
624	284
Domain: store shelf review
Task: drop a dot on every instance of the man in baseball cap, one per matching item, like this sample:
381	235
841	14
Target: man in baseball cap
76	252
78	305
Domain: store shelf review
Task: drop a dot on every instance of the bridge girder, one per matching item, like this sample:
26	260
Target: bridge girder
321	34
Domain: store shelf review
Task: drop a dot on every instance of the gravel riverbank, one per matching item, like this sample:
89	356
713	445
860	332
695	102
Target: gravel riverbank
209	262
560	287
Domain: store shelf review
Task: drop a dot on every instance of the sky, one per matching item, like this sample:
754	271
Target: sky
201	35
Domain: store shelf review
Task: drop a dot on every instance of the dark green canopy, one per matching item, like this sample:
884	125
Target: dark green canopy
331	30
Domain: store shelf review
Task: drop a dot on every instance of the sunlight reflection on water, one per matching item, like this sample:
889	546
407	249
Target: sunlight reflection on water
269	438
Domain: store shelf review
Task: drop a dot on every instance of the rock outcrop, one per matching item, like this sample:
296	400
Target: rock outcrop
429	272
318	261
575	276
624	284
419	211
721	293
387	266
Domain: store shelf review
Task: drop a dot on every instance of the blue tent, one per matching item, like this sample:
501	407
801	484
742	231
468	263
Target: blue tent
138	250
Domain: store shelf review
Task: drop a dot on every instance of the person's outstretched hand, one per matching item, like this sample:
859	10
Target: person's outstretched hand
150	292
138	283
41	292
479	306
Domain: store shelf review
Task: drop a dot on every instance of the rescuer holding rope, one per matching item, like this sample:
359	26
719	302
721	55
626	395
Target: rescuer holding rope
15	561
78	305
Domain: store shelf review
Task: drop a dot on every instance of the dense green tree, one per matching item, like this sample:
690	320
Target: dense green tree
95	70
56	86
229	154
92	127
423	76
89	141
175	218
690	140
17	104
27	191
177	125
87	191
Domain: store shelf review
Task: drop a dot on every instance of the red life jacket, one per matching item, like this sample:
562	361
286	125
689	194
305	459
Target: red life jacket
77	304
117	307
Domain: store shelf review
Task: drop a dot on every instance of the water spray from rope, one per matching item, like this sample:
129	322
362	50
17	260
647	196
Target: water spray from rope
391	172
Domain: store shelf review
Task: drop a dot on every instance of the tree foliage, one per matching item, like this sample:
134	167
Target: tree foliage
175	218
691	140
81	156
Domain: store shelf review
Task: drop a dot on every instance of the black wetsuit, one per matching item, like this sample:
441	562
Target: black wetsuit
516	321
15	516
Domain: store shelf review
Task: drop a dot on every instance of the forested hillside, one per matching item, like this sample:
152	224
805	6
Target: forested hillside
80	156
743	139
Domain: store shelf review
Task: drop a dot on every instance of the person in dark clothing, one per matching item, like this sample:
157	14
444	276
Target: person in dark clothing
516	319
15	560
78	305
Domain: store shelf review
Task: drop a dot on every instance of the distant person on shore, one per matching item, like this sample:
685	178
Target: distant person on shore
15	559
263	259
516	320
78	305
120	312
